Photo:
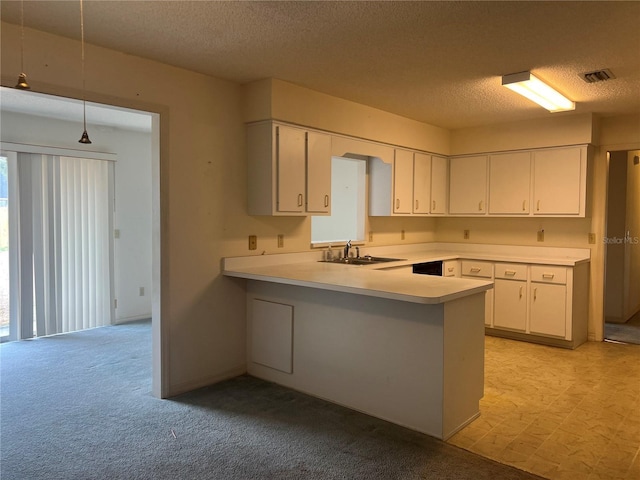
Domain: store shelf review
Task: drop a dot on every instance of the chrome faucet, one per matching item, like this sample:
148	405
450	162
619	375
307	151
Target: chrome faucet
347	247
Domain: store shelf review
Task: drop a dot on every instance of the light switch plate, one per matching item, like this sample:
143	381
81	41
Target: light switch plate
466	235
592	238
253	242
541	235
280	241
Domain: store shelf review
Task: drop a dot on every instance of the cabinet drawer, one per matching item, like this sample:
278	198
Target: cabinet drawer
472	268
451	268
548	274
511	271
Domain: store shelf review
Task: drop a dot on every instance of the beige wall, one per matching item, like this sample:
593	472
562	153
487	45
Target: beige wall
203	189
285	101
555	130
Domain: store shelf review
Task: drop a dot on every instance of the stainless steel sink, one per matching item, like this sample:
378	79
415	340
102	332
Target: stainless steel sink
366	260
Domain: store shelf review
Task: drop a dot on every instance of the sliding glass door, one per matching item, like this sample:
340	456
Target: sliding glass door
4	247
60	244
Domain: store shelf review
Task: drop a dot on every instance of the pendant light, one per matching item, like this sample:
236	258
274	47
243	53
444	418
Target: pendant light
22	78
85	136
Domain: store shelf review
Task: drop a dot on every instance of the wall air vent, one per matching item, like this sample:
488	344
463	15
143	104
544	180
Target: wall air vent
597	76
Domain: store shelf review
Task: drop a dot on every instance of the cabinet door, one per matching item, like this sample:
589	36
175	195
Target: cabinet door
509	180
548	309
439	185
510	304
468	185
557	178
318	172
403	181
421	183
290	154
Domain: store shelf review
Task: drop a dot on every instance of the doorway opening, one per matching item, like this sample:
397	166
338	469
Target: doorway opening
31	118
622	242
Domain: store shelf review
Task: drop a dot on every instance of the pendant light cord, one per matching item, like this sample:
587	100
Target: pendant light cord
22	36
84	105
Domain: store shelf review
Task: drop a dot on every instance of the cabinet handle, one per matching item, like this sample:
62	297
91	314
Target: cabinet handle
520	292
509	272
450	269
475	270
300	199
326	200
480	206
524	205
535	294
538	205
416	204
397	203
548	275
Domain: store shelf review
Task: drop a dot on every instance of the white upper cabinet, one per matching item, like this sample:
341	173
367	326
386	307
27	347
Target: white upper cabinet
559	181
509	183
318	173
468	185
403	181
421	176
439	185
419	185
289	170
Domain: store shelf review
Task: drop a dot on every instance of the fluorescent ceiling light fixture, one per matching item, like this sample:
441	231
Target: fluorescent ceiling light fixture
536	90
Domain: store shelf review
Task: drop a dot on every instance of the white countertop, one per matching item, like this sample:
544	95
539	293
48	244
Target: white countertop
381	280
366	280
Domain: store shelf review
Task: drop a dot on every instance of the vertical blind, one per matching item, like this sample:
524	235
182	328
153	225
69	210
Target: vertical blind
62	220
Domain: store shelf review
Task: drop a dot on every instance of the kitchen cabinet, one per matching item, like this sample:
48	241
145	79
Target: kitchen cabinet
403	181
419	185
548	301
545	304
318	179
289	170
559	181
439	185
510	297
468	185
484	271
451	268
509	183
421	177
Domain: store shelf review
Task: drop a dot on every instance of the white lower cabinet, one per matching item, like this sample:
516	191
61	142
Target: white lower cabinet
484	271
510	297
541	303
548	300
548	309
451	268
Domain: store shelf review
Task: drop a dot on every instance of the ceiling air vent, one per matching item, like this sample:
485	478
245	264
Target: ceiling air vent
597	76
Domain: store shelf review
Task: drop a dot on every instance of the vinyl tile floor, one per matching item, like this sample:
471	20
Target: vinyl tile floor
558	413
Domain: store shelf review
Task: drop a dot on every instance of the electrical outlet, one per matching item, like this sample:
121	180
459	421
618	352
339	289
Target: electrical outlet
371	236
592	238
466	235
280	241
142	291
116	233
253	242
541	235
401	234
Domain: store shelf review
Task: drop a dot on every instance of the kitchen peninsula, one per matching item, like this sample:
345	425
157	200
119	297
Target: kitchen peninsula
408	350
405	348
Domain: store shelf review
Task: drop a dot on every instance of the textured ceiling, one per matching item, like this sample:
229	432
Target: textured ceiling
437	62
